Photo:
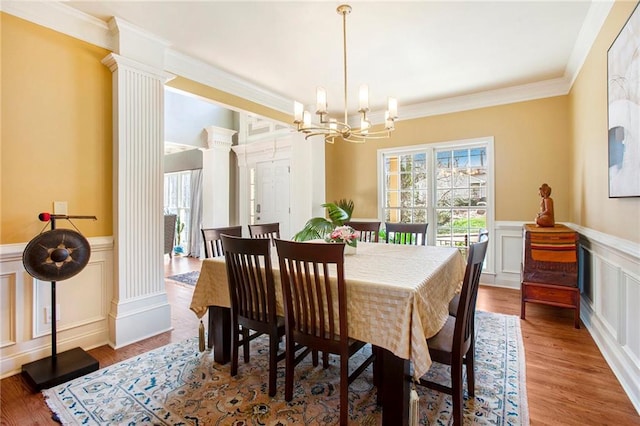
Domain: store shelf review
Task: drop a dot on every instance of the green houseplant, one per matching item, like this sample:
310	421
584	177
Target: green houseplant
338	213
178	249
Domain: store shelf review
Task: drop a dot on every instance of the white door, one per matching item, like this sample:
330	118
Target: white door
272	194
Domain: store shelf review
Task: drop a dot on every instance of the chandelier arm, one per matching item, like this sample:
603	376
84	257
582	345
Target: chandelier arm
360	138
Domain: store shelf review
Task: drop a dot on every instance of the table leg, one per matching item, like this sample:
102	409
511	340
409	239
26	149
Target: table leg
220	333
395	389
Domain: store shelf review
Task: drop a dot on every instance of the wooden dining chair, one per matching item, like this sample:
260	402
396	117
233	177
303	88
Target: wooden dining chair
454	344
369	231
483	235
311	318
212	241
406	233
253	300
265	230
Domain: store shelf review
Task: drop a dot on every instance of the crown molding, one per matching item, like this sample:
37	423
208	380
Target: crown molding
65	19
522	93
596	16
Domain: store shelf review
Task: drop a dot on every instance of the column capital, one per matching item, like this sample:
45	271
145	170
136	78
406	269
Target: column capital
115	62
219	137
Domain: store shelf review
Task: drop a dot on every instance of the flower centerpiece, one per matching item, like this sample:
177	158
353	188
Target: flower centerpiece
345	234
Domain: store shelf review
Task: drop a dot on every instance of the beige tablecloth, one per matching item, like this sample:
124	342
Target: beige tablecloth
398	295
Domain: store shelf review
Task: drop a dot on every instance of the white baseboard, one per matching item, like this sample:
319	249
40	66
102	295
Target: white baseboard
137	320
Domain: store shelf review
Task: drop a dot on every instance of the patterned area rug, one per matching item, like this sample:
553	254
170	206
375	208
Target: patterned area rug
190	278
177	385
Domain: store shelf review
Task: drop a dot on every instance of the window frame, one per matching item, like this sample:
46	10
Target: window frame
430	149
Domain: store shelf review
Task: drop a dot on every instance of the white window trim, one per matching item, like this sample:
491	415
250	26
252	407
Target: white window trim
430	148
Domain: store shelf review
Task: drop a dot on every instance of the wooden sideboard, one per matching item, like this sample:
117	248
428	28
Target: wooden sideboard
549	269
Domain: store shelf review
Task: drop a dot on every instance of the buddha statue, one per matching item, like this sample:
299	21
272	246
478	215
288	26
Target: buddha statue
545	216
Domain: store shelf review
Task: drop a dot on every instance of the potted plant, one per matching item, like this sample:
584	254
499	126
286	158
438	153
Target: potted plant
338	213
178	249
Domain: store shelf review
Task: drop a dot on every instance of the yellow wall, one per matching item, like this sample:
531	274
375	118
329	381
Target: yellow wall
56	130
56	140
531	142
591	206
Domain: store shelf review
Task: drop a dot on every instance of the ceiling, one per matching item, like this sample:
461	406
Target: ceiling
417	51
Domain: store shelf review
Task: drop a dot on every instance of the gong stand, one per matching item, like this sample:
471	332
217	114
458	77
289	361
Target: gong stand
68	365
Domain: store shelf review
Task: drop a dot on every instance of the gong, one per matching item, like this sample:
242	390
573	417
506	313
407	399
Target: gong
56	255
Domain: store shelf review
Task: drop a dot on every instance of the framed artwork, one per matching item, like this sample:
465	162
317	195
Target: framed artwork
623	75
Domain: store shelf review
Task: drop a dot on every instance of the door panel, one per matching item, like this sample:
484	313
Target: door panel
272	194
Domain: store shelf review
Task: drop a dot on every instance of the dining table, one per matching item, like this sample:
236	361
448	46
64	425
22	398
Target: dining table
397	297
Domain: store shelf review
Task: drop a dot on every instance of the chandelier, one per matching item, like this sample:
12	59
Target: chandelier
331	128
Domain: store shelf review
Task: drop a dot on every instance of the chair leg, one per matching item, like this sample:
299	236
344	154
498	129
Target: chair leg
289	366
245	339
456	394
273	362
314	358
235	335
469	362
325	360
344	389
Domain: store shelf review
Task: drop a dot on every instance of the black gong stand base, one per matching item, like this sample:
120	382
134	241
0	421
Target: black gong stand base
68	365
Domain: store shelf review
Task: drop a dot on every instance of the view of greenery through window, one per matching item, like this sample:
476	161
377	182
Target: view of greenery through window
461	195
458	179
177	200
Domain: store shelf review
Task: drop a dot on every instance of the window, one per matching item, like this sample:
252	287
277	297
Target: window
448	185
177	200
461	195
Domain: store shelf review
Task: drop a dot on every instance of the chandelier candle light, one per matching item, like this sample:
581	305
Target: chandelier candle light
332	128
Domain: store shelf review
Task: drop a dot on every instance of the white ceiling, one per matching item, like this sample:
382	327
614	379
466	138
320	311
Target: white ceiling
417	51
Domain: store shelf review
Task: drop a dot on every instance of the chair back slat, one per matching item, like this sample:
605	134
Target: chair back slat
406	233
369	231
308	291
463	333
250	278
265	230
213	244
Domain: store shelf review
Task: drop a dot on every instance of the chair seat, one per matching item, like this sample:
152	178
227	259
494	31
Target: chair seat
453	305
441	345
260	325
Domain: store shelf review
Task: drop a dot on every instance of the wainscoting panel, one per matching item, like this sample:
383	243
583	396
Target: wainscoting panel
7	309
80	300
83	299
632	317
609	277
508	240
607	283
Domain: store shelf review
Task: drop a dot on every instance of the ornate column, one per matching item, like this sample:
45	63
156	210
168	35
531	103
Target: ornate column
139	308
215	177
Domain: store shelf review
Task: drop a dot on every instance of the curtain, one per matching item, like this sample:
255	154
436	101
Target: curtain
195	219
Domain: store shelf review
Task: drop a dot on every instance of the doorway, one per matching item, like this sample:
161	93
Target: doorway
271	201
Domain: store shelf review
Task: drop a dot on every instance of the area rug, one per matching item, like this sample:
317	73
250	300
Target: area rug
190	278
178	385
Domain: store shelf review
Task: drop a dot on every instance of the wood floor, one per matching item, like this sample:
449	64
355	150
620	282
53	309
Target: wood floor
568	380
